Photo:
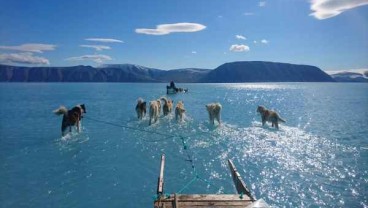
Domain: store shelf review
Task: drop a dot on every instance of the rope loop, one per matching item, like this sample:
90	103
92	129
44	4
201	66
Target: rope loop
189	158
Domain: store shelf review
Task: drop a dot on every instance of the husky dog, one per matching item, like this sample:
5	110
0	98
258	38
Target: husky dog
140	108
269	115
214	112
179	111
167	107
154	111
159	106
71	117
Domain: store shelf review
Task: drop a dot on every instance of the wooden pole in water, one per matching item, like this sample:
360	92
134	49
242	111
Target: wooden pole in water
160	184
240	186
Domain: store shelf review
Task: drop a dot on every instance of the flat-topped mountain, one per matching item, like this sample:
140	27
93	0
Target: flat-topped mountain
260	71
350	76
246	71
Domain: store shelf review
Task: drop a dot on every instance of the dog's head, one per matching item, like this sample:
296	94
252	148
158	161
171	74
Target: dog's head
208	106
83	107
139	101
181	110
260	109
180	107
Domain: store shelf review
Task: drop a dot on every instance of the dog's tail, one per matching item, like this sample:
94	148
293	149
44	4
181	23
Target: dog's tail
61	111
280	119
164	99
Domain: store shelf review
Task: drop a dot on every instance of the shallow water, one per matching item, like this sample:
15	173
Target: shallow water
319	157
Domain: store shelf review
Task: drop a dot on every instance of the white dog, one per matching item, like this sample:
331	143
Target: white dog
179	110
214	111
154	111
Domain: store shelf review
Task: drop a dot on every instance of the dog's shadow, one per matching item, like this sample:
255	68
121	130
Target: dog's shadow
266	127
213	127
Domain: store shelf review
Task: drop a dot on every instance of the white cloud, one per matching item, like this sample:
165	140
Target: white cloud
97	47
240	37
248	13
255	42
98	58
324	9
22	58
105	40
165	29
194	52
264	41
262	4
239	48
31	47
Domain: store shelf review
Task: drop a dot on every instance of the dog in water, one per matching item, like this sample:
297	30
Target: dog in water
140	108
214	112
154	111
71	117
159	106
167	107
269	115
179	111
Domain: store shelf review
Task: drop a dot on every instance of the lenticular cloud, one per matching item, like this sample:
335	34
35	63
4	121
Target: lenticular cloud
324	9
98	58
165	29
23	58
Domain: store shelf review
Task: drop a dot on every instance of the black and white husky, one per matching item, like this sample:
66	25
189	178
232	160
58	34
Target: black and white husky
71	117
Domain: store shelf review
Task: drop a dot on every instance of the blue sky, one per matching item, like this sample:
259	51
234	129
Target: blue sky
171	34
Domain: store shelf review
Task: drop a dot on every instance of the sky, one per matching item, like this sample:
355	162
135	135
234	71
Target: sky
172	34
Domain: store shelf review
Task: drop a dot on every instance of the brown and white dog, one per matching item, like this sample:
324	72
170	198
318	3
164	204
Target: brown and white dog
140	108
179	111
269	115
214	112
154	111
71	117
159	106
167	107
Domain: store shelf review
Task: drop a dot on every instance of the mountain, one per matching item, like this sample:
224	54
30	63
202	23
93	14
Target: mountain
260	71
113	73
185	75
247	71
130	73
45	74
350	76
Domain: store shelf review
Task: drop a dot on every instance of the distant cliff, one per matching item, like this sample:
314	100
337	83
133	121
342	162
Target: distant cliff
259	71
114	73
350	77
247	71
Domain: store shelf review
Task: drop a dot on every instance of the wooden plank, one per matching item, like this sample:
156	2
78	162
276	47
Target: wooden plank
214	203
176	202
238	181
200	206
212	197
160	183
203	200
